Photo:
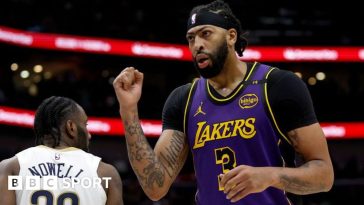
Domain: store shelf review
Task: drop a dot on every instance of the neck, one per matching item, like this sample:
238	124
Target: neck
231	75
62	145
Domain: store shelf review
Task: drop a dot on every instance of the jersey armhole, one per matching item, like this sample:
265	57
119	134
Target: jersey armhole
188	105
269	108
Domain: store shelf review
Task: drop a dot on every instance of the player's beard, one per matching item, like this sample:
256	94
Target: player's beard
83	140
217	61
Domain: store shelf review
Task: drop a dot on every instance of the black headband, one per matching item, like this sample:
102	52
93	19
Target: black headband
209	18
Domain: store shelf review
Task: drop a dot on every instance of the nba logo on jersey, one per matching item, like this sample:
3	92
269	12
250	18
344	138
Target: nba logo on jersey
57	156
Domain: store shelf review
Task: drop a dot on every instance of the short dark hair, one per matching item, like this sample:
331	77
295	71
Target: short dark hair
223	9
50	115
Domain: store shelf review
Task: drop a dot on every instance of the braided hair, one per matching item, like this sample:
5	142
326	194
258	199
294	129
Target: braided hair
50	116
223	9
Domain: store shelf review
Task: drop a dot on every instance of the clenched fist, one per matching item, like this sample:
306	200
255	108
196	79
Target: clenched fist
128	88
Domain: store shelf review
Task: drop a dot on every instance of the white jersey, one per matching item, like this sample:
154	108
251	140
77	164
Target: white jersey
66	177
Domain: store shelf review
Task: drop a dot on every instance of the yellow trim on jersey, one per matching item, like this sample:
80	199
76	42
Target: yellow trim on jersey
188	100
270	109
284	165
236	92
60	150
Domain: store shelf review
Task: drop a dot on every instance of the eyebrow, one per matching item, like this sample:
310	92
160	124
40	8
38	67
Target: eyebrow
191	33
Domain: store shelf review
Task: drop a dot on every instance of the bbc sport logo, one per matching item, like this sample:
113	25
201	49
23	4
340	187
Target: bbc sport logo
54	183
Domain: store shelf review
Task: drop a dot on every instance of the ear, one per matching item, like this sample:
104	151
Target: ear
231	37
71	129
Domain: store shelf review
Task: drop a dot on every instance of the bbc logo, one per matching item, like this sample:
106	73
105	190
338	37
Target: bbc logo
31	183
53	182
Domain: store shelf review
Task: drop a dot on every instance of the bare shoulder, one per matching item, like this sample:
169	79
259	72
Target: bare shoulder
113	187
106	170
10	166
111	175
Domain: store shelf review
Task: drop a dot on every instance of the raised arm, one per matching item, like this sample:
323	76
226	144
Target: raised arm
156	169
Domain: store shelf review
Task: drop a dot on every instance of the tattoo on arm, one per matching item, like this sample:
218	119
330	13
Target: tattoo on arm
299	158
140	152
171	157
301	186
296	184
292	184
294	139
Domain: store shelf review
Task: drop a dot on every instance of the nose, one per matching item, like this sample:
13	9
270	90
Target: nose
198	44
89	136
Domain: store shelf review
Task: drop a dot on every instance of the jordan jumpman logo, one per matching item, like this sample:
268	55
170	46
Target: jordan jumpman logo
199	110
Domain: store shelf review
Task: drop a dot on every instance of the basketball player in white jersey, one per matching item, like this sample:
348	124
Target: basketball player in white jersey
62	143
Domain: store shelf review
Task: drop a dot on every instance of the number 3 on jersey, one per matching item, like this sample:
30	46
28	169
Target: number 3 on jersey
226	157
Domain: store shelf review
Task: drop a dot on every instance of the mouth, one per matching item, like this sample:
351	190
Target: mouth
202	60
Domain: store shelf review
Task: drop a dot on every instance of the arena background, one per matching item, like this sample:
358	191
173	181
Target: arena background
326	39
